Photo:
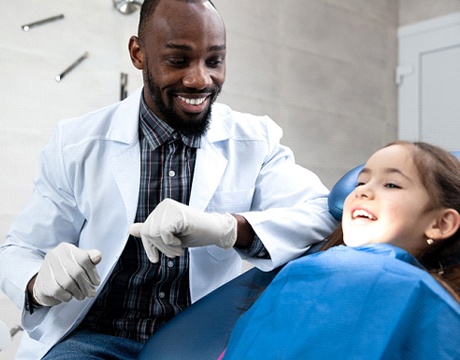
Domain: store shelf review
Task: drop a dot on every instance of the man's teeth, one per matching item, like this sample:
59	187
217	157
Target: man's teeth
362	213
193	101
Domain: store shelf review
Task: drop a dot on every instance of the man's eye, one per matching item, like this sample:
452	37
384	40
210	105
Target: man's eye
177	61
215	62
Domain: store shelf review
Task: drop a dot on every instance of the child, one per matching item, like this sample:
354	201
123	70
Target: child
375	297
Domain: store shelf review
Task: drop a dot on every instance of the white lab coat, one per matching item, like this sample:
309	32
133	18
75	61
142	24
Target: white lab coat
87	190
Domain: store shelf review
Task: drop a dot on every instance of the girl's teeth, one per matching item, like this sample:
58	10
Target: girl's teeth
362	213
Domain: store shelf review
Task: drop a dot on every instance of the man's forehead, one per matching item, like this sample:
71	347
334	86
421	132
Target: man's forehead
179	23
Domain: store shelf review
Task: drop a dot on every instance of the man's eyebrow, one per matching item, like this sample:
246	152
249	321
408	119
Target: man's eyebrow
218	47
189	48
178	47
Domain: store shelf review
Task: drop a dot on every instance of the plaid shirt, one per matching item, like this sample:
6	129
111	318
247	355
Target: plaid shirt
140	296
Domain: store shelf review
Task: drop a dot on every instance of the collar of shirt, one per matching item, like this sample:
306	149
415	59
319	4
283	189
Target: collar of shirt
157	132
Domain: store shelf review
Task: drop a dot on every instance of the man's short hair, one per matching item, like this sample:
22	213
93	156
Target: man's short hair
147	10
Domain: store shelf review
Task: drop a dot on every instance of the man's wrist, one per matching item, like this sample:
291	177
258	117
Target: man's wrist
30	303
245	233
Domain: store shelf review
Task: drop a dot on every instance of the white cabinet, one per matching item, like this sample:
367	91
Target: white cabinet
428	76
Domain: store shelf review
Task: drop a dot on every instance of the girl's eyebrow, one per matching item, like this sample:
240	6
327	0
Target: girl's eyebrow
387	171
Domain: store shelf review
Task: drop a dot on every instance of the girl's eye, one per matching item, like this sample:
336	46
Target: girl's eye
360	183
392	186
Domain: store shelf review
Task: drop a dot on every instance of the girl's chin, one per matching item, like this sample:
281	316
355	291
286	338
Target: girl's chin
354	241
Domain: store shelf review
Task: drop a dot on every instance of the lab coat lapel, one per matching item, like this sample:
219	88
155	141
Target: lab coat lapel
209	169
126	171
125	163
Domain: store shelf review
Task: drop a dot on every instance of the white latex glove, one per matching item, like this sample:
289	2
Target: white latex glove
67	272
173	225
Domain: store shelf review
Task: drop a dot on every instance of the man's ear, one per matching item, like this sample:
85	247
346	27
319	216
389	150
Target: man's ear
444	226
136	53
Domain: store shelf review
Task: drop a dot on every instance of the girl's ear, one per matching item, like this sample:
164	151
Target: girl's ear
136	53
444	226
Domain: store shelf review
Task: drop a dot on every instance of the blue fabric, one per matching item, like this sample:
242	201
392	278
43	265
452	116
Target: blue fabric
350	303
90	345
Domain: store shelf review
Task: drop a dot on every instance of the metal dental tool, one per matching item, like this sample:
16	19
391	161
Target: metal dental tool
127	7
71	67
27	27
123	85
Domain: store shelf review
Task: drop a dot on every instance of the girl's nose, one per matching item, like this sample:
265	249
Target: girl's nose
364	191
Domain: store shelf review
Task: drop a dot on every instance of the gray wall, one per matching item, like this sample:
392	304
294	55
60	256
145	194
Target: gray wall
322	69
412	11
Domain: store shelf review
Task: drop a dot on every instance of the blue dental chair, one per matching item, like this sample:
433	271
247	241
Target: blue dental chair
201	331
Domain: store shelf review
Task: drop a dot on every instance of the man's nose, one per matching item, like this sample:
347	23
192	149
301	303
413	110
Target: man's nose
198	77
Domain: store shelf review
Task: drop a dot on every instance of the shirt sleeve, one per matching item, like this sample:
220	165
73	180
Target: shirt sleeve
257	249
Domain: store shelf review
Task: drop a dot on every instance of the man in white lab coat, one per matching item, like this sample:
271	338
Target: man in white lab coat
205	186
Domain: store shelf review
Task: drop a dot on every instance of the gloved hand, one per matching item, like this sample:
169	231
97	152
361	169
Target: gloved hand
173	225
67	272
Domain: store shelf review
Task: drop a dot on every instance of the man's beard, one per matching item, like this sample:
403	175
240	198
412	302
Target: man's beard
186	126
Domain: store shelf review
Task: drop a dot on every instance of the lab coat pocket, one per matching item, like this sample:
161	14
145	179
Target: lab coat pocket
231	201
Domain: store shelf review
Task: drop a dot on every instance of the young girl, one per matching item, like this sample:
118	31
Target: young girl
392	291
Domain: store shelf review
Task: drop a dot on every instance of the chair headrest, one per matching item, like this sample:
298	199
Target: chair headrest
340	191
345	186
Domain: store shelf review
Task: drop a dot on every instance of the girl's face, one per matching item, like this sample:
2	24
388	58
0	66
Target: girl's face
390	204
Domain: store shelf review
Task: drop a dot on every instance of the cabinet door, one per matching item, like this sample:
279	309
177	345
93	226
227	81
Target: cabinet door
440	97
428	76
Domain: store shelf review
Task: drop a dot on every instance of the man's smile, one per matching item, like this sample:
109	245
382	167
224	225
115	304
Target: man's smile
196	103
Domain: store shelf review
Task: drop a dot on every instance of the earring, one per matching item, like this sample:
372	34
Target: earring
429	241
